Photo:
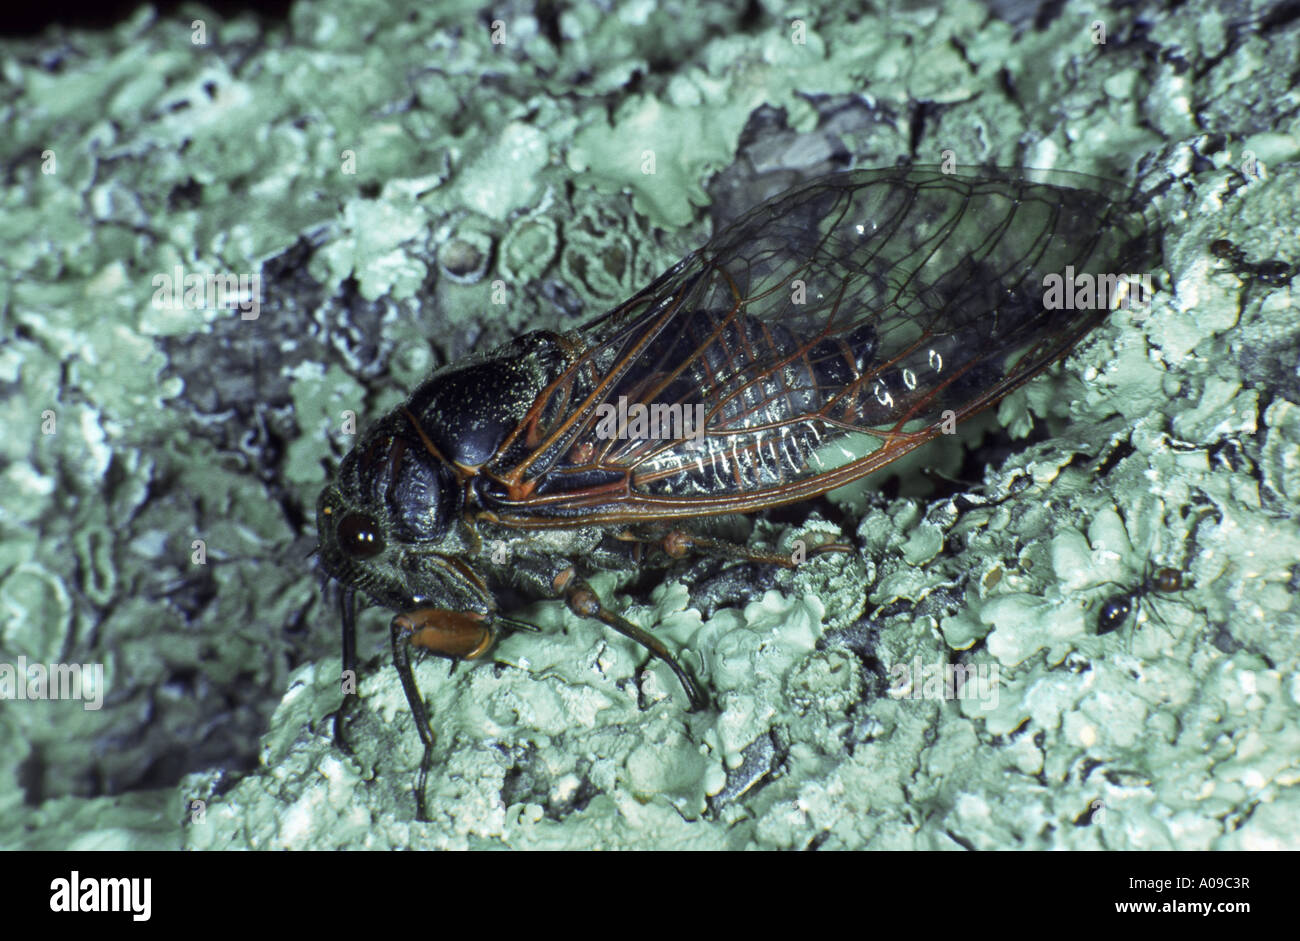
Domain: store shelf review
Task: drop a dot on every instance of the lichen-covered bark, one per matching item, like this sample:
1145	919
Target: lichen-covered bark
409	191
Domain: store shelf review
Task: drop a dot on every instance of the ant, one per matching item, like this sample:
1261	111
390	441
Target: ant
1272	273
1116	609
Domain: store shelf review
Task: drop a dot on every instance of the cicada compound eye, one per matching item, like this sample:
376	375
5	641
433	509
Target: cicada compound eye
359	536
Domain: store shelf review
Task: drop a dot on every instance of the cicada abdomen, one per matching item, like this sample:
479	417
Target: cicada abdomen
868	308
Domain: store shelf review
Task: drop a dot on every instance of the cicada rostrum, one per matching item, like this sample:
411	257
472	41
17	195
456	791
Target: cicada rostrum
824	334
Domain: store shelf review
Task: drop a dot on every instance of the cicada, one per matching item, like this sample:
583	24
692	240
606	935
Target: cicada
824	334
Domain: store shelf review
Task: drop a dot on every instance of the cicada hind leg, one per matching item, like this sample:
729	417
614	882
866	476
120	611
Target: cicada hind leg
583	601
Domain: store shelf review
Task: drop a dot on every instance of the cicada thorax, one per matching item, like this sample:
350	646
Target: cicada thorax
471	415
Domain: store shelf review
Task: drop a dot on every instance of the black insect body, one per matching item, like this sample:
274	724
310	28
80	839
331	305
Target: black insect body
1272	273
1117	608
823	335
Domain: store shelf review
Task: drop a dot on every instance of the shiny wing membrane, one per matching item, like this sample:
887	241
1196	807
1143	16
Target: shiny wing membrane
821	336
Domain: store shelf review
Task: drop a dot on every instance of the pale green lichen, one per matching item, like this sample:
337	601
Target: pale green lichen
1176	731
529	248
375	246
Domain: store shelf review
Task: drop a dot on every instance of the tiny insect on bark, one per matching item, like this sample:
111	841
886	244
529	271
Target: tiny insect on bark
1116	609
823	335
1272	273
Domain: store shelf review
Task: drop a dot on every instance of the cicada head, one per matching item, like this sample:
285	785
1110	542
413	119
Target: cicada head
389	526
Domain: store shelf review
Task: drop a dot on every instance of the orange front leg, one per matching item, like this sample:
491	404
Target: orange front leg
462	635
456	634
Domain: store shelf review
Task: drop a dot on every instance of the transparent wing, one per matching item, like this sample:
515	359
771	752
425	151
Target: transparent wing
821	336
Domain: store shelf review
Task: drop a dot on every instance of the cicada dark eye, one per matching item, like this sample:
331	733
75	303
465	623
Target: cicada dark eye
359	536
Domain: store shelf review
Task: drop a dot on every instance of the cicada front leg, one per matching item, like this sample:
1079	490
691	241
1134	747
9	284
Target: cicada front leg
401	629
347	610
457	635
461	635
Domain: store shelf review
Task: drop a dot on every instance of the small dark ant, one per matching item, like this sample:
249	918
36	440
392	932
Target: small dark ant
1272	273
1116	609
